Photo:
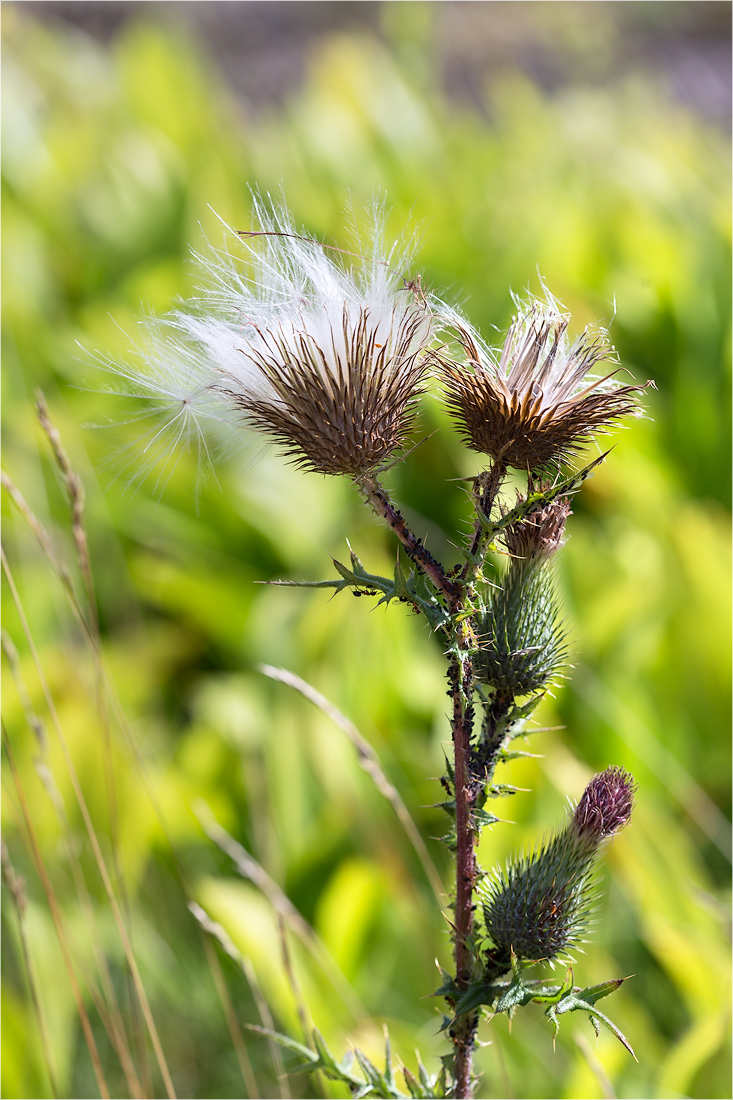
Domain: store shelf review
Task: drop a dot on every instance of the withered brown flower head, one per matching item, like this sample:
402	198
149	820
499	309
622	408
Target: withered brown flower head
537	403
540	533
340	391
323	355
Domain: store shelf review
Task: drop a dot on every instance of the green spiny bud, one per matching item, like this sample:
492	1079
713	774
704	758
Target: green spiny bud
522	643
539	906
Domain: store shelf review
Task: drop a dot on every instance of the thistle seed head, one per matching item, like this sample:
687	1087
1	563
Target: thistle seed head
323	356
340	395
534	403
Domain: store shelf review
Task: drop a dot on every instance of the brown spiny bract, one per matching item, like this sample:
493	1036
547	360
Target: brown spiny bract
339	400
536	403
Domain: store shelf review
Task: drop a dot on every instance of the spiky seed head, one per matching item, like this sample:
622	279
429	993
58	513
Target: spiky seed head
322	352
341	400
536	402
540	905
540	534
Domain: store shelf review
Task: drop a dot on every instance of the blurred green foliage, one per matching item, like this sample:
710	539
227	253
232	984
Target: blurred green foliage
114	159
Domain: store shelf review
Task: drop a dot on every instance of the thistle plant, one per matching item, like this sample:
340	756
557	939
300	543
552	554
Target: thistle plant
324	354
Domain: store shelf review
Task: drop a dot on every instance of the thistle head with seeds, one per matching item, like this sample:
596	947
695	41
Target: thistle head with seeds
321	356
534	403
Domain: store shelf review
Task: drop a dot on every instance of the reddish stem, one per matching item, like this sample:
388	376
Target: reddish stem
461	679
464	1030
414	547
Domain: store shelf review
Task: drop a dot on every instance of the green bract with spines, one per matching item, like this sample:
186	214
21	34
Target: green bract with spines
539	906
522	644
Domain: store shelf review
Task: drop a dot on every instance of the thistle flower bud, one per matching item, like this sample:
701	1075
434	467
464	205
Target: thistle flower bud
540	534
605	807
522	641
539	906
324	359
534	403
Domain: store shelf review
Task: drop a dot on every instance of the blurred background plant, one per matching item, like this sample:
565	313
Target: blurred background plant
589	141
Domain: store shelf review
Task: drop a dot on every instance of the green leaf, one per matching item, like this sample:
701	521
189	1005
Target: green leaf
535	501
516	994
574	1002
285	1041
483	817
477	994
412	1086
593	993
555	993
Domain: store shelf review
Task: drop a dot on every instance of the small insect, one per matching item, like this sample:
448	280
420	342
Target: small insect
415	288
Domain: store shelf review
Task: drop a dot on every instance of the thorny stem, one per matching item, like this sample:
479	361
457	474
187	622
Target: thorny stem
460	676
414	548
486	486
463	1030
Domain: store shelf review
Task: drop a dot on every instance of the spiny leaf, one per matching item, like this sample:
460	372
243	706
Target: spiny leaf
573	1003
535	501
505	755
369	1070
477	994
555	993
482	818
412	1086
400	580
447	988
388	1072
285	1041
593	993
412	588
503	790
515	994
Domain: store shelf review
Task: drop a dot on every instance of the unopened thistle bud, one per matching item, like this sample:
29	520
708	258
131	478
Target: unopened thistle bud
539	906
522	641
605	806
540	534
534	403
324	359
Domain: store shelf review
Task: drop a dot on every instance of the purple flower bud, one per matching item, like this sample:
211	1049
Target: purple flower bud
606	805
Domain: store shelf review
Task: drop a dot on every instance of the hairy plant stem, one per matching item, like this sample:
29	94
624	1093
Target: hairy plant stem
378	498
460	675
486	486
463	1031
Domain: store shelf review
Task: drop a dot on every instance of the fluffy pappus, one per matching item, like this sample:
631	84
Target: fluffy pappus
536	401
321	357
